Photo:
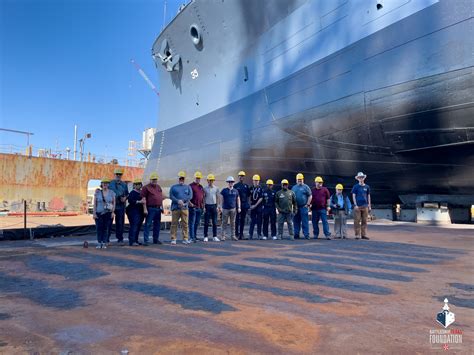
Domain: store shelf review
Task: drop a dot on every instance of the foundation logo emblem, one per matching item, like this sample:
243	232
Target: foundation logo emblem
445	317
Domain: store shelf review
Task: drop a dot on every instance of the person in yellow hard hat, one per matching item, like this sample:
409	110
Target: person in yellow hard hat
256	207
212	201
103	212
269	211
341	207
244	195
196	206
303	200
121	193
180	195
285	202
153	195
320	207
136	212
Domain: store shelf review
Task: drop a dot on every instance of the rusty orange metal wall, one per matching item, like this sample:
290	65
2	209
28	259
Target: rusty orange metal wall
61	184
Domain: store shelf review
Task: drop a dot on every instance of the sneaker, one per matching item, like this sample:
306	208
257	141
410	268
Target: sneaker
357	237
292	238
222	238
274	238
186	241
157	242
206	239
173	242
120	243
104	246
307	237
216	239
264	238
259	237
344	237
98	246
365	237
234	238
328	238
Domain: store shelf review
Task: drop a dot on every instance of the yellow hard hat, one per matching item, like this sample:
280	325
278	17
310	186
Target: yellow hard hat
137	181
154	176
118	171
284	181
241	173
299	176
198	175
339	187
256	177
211	177
318	179
269	182
105	180
182	174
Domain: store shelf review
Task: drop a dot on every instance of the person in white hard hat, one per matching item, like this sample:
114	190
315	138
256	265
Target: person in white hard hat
362	206
230	206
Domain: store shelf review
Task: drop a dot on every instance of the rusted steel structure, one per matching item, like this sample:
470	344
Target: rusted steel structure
51	184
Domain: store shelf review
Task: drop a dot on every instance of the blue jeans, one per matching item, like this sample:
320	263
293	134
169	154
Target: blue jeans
194	219
301	219
119	223
256	219
240	222
136	220
102	224
316	215
269	215
153	217
210	214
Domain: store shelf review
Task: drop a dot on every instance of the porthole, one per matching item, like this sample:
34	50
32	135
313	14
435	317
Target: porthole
195	34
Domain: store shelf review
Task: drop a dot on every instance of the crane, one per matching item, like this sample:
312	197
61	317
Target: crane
145	77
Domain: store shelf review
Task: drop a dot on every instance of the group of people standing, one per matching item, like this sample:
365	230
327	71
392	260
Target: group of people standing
267	208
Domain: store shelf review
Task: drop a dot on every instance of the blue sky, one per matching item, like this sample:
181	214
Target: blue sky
66	62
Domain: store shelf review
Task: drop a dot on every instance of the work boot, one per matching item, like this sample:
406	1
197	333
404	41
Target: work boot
365	237
235	238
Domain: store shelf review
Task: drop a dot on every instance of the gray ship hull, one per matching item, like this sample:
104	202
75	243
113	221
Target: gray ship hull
397	104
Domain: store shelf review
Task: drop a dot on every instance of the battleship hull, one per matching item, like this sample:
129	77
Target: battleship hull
322	88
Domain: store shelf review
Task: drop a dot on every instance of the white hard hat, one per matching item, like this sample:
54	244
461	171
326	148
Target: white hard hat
230	179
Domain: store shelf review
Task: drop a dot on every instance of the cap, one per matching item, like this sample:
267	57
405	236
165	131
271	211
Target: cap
181	174
269	182
137	181
256	177
241	173
107	180
284	181
198	175
230	179
299	176
339	187
118	171
318	179
211	177
360	174
154	176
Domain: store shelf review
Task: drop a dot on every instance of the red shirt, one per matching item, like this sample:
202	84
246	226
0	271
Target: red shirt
198	194
153	195
320	198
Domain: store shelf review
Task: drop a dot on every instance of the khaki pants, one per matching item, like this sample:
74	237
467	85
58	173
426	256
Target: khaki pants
282	218
176	216
226	215
340	223
361	214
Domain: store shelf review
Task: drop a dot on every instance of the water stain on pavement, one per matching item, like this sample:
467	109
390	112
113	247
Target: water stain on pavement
111	260
39	292
334	269
187	299
308	278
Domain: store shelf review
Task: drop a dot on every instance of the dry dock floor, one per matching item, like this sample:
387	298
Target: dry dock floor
246	297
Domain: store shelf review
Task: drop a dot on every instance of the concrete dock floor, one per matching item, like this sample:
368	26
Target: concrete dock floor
246	297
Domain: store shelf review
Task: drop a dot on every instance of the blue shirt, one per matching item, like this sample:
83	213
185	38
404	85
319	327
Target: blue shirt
180	192
340	200
269	198
362	193
121	190
229	198
244	193
302	193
